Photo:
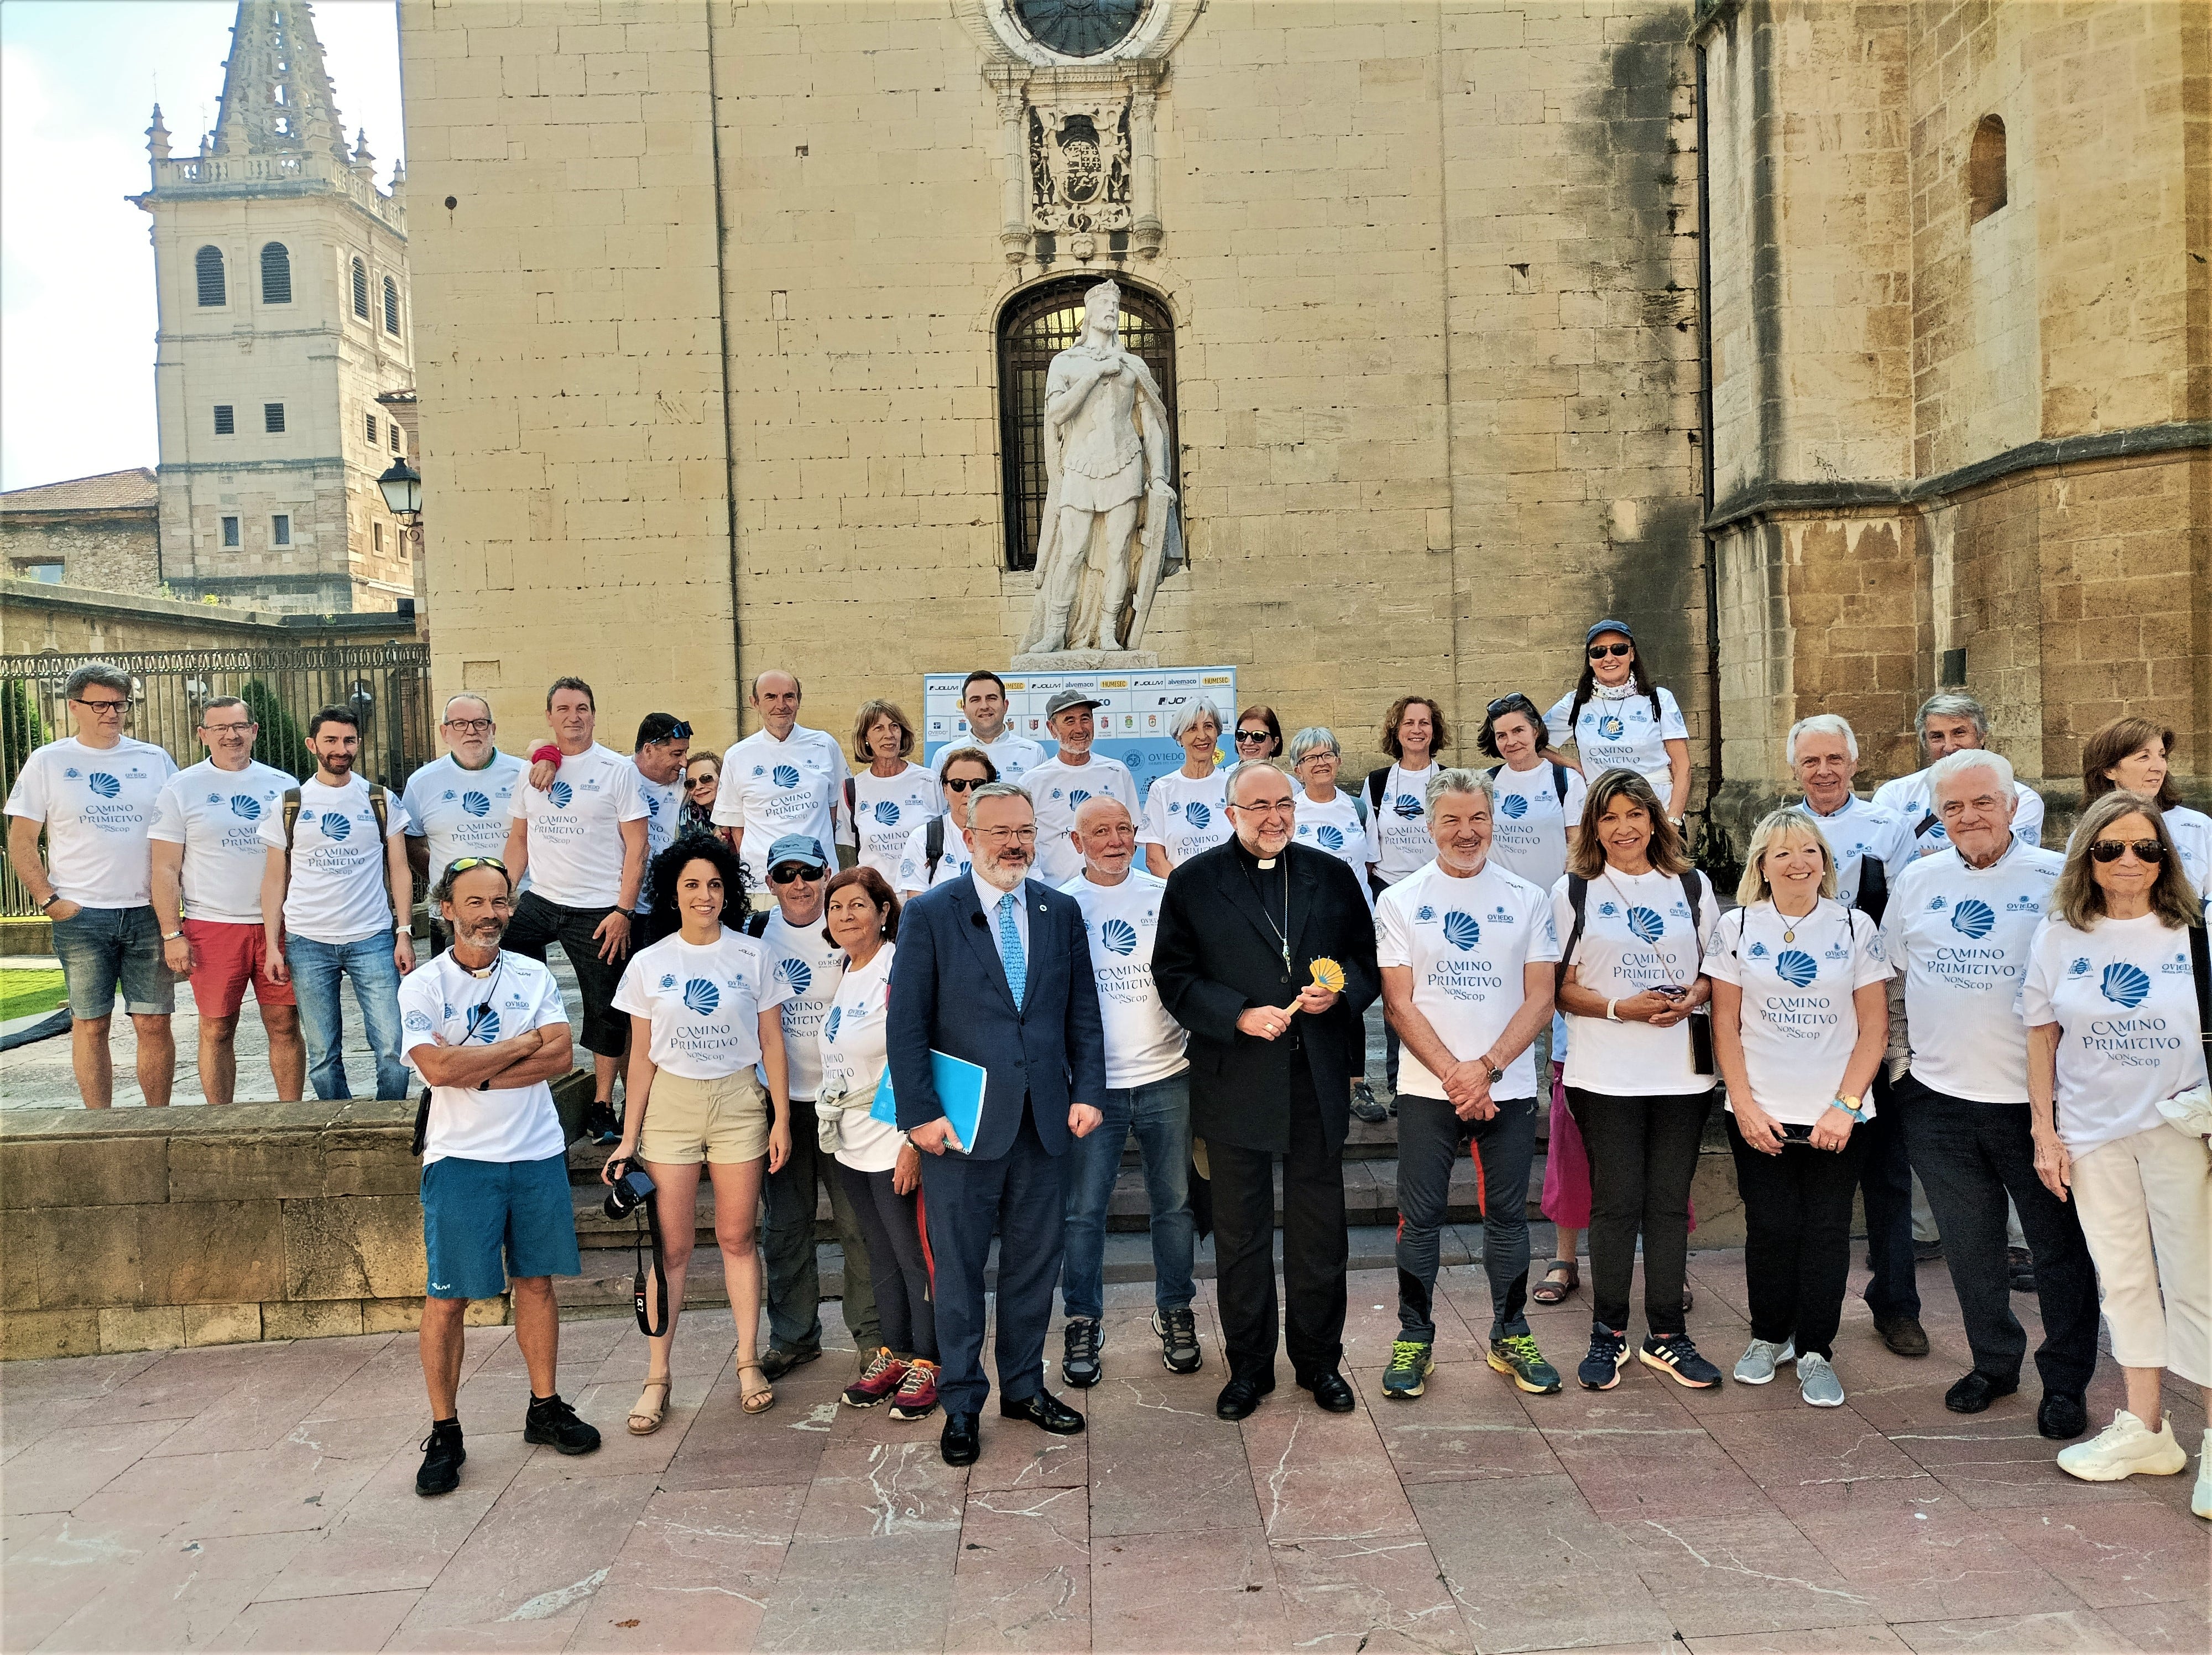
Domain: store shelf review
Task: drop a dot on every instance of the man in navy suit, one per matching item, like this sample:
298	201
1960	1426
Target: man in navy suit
996	969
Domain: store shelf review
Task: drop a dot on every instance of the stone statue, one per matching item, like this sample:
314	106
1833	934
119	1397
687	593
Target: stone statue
1109	528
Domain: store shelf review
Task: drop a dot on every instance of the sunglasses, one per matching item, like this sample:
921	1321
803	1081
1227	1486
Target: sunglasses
2146	851
965	784
679	730
691	782
463	864
1244	738
791	873
1508	703
1599	651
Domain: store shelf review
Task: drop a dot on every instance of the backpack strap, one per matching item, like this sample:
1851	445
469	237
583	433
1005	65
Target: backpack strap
1578	898
1376	780
1697	916
850	809
755	924
1930	820
932	850
291	824
1874	888
1359	809
2200	967
1559	783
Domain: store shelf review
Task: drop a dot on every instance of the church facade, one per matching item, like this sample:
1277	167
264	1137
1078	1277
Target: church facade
1474	321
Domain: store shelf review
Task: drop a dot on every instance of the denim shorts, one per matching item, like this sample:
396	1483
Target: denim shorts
99	947
475	1211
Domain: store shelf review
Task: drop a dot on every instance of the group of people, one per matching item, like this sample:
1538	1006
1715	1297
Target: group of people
1907	993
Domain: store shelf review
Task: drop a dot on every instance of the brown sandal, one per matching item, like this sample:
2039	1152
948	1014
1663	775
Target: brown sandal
643	1421
755	1402
1560	1280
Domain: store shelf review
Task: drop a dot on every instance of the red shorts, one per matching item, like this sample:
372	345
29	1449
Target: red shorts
225	957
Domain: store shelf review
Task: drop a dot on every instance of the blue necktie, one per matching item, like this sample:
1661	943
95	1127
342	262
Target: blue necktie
1010	948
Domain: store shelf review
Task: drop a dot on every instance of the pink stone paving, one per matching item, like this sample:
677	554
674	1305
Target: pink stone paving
262	1498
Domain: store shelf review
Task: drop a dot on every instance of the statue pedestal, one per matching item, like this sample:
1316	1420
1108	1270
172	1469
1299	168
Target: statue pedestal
1086	660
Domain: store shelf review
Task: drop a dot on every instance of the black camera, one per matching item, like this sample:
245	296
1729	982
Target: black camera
627	1192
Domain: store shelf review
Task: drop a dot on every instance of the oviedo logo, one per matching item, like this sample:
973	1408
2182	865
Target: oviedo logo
1796	967
560	792
2126	986
887	813
1462	930
787	775
1973	918
701	996
1514	805
1645	925
335	825
830	1027
1331	838
103	784
476	804
1118	937
795	972
245	807
1197	815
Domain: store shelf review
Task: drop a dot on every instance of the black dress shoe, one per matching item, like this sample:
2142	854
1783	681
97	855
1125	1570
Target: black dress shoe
1902	1334
1043	1410
1976	1391
1331	1391
962	1440
2061	1418
1240	1396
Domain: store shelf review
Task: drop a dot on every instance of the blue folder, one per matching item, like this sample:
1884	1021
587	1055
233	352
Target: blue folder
959	1092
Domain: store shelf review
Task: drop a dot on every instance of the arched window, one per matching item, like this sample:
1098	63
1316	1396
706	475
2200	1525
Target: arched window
1036	327
207	264
275	275
360	290
392	306
1985	169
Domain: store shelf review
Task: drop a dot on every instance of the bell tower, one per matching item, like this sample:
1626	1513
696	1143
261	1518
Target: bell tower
285	313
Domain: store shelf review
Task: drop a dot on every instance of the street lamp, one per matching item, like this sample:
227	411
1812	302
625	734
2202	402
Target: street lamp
402	488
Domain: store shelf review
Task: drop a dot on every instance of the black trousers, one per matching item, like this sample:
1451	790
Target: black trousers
1316	1247
1642	1155
1797	1236
898	1266
537	925
1885	1178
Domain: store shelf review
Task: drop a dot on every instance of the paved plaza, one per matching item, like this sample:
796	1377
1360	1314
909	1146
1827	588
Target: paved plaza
261	1497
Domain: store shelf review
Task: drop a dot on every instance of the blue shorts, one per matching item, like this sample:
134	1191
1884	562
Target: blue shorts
102	947
472	1210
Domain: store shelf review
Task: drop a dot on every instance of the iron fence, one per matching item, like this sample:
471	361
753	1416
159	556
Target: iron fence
387	684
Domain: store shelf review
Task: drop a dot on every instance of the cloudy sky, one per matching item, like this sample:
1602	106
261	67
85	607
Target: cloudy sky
78	81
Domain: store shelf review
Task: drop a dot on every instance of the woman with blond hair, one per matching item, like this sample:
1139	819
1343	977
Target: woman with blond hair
1801	1020
2132	755
889	796
2115	1046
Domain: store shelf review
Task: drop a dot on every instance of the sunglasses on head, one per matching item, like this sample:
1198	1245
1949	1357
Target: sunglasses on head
791	872
463	864
1599	651
1508	703
679	730
1243	737
2146	851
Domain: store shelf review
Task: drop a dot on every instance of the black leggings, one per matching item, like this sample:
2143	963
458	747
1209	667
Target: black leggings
1642	1155
890	1225
1797	1236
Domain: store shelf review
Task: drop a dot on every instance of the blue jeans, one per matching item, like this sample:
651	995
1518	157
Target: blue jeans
316	967
1160	1114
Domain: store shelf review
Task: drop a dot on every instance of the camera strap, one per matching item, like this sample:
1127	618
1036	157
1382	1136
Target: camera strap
649	1225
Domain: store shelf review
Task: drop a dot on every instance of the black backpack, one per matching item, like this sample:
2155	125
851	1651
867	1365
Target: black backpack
1559	780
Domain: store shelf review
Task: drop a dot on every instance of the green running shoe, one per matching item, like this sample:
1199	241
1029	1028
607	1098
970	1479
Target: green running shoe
1517	1355
1411	1363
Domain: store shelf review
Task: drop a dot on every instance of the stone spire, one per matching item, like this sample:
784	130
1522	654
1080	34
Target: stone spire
157	136
277	98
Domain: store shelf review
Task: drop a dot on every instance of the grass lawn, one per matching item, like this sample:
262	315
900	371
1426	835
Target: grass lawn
24	993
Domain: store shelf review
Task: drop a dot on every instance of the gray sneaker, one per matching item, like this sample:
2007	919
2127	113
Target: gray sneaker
1817	1382
1756	1365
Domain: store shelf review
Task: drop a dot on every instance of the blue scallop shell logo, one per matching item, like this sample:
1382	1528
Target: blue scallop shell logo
1611	727
1645	926
887	813
483	1023
787	775
103	784
476	804
335	824
701	996
651	807
1408	807
796	973
1332	838
1936	831
1076	796
830	1028
2126	986
245	807
1197	815
1796	967
1462	930
560	792
1973	918
1513	805
1117	936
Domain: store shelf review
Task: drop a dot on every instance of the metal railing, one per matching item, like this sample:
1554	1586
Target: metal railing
386	685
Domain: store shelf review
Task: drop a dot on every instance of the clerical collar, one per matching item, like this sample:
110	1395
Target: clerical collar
1253	859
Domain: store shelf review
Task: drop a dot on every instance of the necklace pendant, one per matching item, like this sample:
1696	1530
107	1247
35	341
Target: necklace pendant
1790	935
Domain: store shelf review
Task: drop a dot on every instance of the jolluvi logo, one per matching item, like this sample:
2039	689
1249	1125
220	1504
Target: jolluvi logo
887	813
1973	918
1513	806
1645	926
787	775
419	1022
1796	967
1117	936
560	792
796	973
335	825
245	807
476	804
2126	986
701	996
1198	816
1462	930
103	784
830	1027
1331	838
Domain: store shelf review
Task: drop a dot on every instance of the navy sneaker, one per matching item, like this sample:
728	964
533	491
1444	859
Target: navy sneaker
600	1125
1678	1359
1608	1353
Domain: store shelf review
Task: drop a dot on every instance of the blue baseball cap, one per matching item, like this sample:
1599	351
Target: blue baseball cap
802	847
1621	627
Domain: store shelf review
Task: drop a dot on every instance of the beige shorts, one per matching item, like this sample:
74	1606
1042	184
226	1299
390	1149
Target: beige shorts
687	1121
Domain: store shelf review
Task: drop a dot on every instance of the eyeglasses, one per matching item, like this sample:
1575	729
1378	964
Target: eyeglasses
226	730
1245	738
1508	703
106	708
2111	850
679	730
470	726
792	872
1003	835
1282	807
1599	651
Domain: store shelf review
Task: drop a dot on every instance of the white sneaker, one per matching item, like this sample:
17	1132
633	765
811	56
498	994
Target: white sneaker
2123	1448
1756	1365
1817	1382
2201	1500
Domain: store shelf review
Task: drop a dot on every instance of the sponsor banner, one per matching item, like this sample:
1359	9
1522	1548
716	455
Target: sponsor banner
1133	721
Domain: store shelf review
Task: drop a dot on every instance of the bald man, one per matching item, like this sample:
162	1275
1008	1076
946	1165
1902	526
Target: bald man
783	778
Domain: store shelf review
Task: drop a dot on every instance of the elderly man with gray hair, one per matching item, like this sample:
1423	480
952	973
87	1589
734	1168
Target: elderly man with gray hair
1959	931
1951	721
95	795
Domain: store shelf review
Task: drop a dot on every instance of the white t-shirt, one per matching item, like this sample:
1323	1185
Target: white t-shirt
855	1049
460	812
1184	816
1058	787
1960	938
1143	1042
2126	1003
913	872
2193	837
704	1002
337	892
1859	829
98	803
889	810
1014	754
811	966
1335	827
1617	732
575	827
1399	829
216	816
1799	1024
1528	825
1908	799
441	997
772	787
1636	935
664	820
1467	942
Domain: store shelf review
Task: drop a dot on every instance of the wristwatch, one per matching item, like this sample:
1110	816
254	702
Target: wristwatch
49	902
171	936
1611	1015
1854	1107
